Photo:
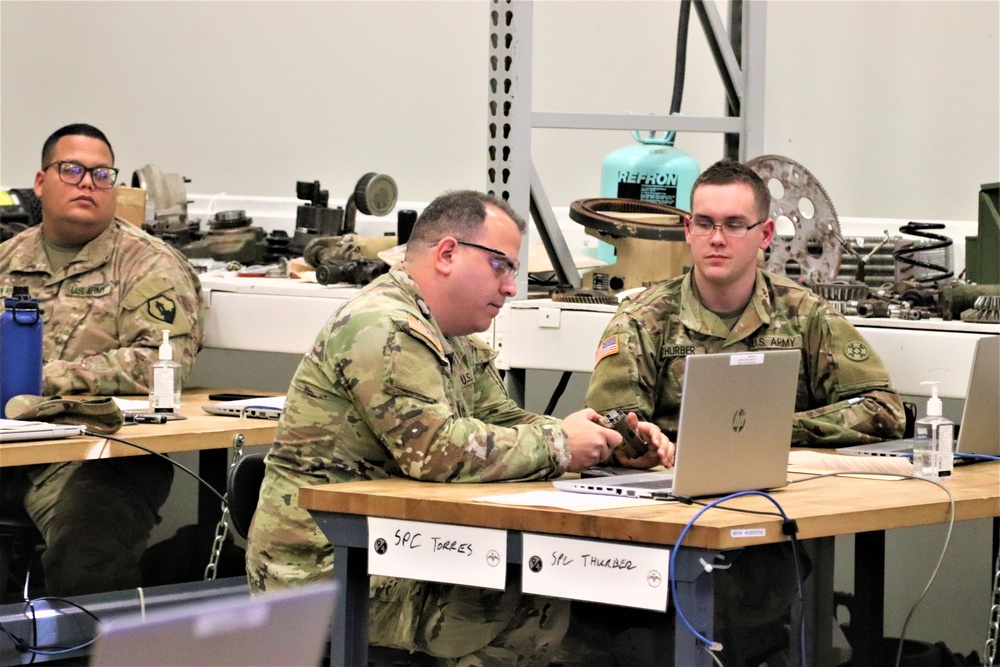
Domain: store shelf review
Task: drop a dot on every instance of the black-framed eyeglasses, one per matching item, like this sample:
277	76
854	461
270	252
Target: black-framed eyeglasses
72	173
503	265
731	228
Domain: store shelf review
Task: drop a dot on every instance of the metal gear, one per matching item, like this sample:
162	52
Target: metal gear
799	198
233	219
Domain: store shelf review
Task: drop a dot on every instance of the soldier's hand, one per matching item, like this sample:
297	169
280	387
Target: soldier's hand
661	450
589	442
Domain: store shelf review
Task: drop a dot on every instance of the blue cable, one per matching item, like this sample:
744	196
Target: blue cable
673	559
984	457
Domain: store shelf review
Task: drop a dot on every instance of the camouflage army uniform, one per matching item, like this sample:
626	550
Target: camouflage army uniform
844	396
384	393
105	310
103	314
844	393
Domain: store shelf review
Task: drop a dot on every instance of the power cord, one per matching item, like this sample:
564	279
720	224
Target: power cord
23	646
788	527
201	481
944	548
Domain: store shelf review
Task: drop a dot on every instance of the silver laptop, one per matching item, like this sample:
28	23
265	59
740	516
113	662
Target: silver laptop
290	627
16	430
269	407
979	431
734	431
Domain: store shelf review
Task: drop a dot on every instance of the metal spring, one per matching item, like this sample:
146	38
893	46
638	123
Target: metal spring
905	255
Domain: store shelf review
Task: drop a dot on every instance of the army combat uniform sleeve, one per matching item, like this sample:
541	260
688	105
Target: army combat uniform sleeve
626	371
111	349
848	382
445	416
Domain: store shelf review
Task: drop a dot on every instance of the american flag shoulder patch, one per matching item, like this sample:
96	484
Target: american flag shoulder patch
607	347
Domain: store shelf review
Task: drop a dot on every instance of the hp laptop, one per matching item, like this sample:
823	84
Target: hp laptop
15	430
290	627
979	431
269	407
734	431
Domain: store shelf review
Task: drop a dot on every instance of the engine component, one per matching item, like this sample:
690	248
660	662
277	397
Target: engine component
574	295
844	297
924	262
873	308
166	208
374	194
230	237
314	219
229	220
986	309
957	299
355	271
798	199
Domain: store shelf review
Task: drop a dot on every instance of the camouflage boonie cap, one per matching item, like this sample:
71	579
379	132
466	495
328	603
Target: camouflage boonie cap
101	415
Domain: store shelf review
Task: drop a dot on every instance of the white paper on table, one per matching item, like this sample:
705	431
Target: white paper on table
129	405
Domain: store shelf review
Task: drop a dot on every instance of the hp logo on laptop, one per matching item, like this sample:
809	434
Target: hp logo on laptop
739	420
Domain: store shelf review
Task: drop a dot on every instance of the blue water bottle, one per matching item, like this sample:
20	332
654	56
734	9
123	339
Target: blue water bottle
20	347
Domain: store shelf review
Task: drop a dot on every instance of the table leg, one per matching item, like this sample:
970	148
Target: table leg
349	625
696	598
867	614
817	606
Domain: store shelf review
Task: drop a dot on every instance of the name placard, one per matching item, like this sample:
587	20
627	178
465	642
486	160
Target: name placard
620	574
440	552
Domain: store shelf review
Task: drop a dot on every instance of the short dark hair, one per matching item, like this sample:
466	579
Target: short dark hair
76	129
725	172
461	213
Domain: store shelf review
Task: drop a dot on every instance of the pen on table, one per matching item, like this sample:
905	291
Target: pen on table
144	418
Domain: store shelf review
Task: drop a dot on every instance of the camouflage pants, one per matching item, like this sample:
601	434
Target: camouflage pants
96	518
466	626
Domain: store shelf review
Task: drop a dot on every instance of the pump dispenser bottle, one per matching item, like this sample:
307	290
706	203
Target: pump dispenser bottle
165	387
933	436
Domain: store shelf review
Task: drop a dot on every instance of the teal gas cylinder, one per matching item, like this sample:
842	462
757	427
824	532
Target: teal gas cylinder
651	170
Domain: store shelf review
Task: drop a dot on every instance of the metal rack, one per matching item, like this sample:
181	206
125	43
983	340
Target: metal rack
511	173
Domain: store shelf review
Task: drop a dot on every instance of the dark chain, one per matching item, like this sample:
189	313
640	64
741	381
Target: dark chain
222	528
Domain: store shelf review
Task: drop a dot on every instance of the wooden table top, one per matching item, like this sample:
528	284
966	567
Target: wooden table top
821	508
199	431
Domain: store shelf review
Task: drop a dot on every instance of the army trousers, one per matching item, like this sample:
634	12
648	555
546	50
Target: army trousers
464	626
96	518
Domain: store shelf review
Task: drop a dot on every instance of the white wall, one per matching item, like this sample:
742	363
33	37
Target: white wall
892	105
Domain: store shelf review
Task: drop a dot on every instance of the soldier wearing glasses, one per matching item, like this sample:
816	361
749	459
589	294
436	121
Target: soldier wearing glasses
396	386
107	290
727	304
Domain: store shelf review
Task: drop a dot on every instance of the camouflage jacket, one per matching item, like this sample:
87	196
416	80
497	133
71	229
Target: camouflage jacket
104	312
844	392
384	393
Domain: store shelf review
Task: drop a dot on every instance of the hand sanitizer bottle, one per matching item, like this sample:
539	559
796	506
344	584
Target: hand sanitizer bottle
165	388
933	440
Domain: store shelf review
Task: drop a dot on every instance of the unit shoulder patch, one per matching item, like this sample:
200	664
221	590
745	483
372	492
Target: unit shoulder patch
162	308
856	351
